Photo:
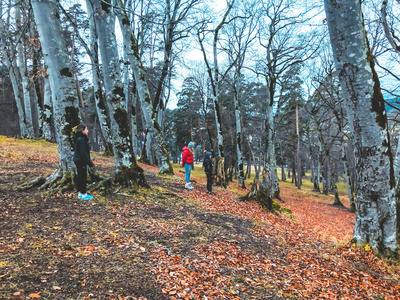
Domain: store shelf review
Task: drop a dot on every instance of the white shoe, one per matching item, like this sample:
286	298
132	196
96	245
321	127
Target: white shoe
188	186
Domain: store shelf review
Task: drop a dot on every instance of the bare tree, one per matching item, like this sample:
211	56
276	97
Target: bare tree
216	78
284	48
241	33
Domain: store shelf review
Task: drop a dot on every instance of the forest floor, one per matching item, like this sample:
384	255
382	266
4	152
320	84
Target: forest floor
169	243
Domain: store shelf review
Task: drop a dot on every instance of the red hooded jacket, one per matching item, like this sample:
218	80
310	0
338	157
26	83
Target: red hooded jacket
187	156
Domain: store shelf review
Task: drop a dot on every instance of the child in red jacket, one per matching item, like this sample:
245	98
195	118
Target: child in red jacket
187	161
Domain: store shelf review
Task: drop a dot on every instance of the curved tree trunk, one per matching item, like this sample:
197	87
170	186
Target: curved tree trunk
149	114
376	215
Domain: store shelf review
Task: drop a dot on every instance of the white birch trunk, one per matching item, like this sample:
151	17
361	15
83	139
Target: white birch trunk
376	214
149	115
65	100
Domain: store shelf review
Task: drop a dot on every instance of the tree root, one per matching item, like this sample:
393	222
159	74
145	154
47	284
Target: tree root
52	179
60	181
263	198
30	184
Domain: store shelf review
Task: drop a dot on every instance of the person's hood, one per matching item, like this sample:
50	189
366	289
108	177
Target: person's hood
208	154
186	148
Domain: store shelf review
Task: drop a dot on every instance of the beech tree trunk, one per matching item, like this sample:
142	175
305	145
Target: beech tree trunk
376	215
349	185
239	135
127	170
97	78
65	100
149	114
270	163
27	108
47	112
298	161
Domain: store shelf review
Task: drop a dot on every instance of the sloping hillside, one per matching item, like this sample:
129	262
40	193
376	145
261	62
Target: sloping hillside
170	243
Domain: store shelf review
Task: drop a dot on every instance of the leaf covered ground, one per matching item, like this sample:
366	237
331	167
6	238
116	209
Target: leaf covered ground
170	243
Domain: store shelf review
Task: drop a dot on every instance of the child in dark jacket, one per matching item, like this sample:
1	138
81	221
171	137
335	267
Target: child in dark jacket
82	159
208	169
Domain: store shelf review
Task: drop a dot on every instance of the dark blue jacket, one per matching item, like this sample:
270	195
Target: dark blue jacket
82	149
207	163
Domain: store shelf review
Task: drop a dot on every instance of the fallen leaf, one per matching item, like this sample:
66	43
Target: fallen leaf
16	294
34	295
56	288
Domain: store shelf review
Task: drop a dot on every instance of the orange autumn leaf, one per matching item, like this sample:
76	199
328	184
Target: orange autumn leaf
34	295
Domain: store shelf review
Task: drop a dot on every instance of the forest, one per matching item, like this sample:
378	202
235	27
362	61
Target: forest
279	91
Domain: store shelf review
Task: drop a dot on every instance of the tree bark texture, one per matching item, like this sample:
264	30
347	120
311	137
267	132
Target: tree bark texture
65	100
239	134
127	170
376	214
47	112
149	115
27	108
100	101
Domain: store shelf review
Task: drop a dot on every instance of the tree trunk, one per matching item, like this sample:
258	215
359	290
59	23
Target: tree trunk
27	108
325	177
48	133
238	131
270	162
150	117
18	99
65	100
294	175
127	170
283	173
298	162
97	78
316	175
376	215
349	186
